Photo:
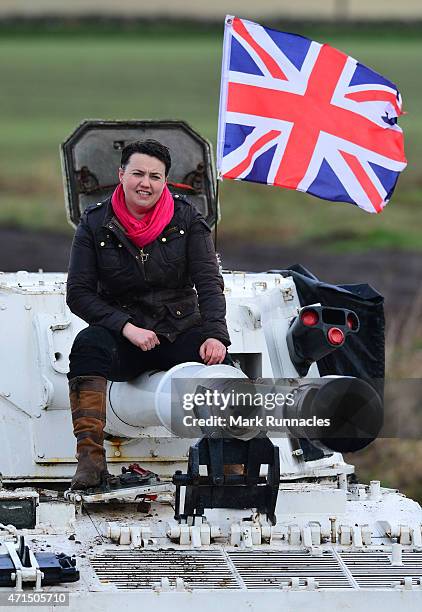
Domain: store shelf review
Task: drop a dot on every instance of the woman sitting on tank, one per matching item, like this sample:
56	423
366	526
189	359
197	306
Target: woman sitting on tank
143	274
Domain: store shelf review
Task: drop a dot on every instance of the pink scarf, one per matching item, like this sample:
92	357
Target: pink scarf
143	231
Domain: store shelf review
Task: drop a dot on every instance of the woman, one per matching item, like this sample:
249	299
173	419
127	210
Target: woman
135	260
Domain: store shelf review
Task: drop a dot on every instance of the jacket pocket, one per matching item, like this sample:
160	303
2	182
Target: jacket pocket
173	246
184	313
109	258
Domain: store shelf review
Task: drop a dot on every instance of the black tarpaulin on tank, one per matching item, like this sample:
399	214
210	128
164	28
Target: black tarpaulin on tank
363	354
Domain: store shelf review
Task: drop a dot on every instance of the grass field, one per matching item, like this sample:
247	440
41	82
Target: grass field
49	84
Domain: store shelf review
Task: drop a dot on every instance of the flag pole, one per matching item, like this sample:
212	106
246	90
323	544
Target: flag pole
221	114
217	193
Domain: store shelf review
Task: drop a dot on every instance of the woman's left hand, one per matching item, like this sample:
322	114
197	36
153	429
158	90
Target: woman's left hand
212	351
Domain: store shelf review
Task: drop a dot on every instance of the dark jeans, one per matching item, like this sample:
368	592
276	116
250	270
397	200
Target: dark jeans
98	351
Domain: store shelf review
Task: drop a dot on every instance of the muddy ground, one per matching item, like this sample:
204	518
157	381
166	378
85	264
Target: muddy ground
395	274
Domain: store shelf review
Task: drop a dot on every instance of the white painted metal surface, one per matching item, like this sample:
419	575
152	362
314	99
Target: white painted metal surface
335	545
34	317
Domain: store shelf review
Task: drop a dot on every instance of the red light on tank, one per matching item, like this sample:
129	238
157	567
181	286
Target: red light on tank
309	318
335	336
352	322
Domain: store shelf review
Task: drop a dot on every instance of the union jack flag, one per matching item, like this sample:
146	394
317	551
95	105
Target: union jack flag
305	116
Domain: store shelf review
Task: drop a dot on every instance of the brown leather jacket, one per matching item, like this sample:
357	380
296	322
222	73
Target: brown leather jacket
111	281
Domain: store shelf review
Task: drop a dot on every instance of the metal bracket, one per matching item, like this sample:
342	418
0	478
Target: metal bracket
220	490
125	493
27	573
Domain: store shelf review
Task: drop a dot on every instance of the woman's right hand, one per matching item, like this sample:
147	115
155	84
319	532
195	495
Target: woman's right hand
144	339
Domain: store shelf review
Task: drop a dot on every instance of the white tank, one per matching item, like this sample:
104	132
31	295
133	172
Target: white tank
332	542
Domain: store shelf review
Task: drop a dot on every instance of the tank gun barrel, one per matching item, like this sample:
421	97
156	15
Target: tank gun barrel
338	413
346	412
162	399
192	400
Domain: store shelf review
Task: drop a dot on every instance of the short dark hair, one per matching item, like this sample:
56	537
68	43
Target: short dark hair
150	147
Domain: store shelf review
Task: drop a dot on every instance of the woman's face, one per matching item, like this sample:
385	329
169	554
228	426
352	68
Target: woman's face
143	181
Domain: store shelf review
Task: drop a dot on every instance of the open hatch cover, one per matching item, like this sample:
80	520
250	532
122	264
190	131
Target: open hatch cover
91	158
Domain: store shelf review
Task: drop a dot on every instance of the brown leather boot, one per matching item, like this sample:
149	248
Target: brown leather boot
88	404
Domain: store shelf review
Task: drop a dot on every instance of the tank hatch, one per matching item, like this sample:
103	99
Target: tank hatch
91	158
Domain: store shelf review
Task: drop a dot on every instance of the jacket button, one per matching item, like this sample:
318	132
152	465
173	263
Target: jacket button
182	232
119	245
102	243
163	239
178	312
